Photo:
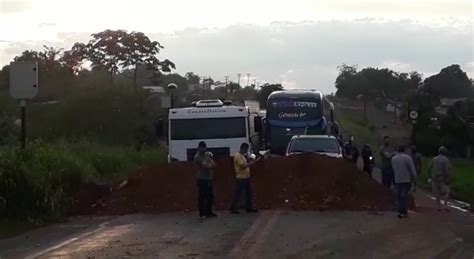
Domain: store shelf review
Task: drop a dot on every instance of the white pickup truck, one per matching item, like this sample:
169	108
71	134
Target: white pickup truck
318	144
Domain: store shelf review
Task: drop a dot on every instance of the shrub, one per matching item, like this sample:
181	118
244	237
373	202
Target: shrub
110	117
38	183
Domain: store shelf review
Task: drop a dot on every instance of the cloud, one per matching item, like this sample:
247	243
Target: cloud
305	54
313	50
14	6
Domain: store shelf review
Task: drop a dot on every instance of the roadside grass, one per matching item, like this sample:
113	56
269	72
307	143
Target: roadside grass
361	132
37	184
11	227
463	181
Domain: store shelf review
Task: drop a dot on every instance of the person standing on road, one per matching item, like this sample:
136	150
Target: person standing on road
205	164
242	175
404	176
350	150
416	156
386	153
368	159
441	174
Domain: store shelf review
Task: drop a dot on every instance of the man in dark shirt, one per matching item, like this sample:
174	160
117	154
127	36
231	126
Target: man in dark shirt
417	161
205	164
367	158
350	150
386	153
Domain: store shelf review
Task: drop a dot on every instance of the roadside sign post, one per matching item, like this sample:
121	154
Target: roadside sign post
413	115
23	123
23	86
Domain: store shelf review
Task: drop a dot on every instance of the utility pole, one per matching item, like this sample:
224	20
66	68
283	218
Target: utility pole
248	79
226	87
238	78
203	87
255	83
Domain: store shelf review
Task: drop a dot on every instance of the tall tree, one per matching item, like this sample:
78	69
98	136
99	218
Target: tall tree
265	91
4	77
114	50
192	78
233	87
74	57
450	82
346	80
375	82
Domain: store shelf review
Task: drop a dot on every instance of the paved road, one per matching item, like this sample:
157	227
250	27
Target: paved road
268	234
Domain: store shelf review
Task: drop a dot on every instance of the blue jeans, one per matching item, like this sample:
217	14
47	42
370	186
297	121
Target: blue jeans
242	185
402	197
387	176
205	197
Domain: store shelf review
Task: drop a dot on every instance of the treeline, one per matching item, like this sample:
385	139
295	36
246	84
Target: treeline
438	123
93	91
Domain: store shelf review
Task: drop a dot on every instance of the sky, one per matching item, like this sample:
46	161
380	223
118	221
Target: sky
299	43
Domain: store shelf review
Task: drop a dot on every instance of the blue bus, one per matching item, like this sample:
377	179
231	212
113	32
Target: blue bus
293	112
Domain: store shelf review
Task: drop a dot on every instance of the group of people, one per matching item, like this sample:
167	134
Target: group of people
400	169
205	164
351	152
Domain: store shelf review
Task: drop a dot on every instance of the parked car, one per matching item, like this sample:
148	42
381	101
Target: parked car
318	144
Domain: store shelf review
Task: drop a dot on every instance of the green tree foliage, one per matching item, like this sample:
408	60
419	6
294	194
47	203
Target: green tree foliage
115	50
452	130
4	78
375	82
233	87
450	82
192	78
73	58
265	91
107	116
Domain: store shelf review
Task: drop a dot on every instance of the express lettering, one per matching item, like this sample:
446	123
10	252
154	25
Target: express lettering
306	104
298	104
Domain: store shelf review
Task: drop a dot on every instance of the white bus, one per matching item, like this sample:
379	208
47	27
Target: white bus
223	127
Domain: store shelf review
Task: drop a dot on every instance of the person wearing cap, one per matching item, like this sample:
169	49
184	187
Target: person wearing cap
441	174
205	165
404	176
242	165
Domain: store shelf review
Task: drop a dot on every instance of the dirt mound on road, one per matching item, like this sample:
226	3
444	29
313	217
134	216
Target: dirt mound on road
303	182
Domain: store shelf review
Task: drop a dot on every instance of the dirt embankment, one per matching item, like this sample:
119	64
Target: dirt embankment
303	182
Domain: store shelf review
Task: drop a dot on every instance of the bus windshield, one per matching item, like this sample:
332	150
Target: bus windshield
209	128
301	109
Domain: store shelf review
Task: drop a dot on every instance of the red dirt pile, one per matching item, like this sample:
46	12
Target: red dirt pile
303	182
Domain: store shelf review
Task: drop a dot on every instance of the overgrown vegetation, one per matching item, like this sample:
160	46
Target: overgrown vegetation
38	183
111	117
462	186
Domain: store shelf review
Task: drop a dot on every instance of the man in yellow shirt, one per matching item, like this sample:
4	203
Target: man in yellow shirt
242	175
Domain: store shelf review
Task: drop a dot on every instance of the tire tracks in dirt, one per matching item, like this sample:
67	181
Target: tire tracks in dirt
247	246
